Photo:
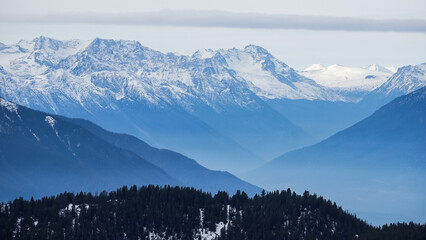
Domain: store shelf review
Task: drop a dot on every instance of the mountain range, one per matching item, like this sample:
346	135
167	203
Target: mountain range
376	167
230	109
352	82
205	103
405	80
233	110
43	154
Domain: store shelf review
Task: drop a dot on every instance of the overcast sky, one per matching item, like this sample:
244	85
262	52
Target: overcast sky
300	33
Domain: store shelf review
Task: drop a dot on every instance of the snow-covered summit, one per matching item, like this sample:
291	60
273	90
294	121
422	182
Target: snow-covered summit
204	53
355	81
270	78
315	67
407	79
99	72
33	57
379	68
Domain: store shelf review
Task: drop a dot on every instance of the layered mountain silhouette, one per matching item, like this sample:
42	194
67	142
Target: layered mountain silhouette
376	165
231	109
201	105
43	154
180	167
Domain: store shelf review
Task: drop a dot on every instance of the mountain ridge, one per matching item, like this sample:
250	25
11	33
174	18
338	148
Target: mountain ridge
381	159
43	154
156	93
207	100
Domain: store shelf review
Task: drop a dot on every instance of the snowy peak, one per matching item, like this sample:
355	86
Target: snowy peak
102	71
315	67
110	47
379	68
37	55
404	81
204	53
47	43
348	79
270	78
256	50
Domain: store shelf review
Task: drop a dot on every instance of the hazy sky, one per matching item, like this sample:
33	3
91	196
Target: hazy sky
361	32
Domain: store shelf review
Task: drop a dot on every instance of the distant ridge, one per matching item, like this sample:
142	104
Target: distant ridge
43	154
381	158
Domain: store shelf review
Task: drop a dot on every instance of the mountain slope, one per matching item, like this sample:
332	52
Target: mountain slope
270	78
320	118
180	167
381	159
404	81
168	100
44	154
41	154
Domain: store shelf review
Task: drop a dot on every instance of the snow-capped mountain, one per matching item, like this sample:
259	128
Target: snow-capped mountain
126	87
270	78
352	82
213	106
379	68
105	70
404	81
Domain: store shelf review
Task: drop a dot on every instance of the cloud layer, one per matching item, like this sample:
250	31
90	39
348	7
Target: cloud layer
192	18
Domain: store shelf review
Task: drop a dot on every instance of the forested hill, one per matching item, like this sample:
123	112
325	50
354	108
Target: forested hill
153	212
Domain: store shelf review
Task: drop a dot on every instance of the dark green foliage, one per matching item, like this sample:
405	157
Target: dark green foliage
407	231
181	213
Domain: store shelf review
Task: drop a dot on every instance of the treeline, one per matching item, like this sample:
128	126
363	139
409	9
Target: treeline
396	231
153	212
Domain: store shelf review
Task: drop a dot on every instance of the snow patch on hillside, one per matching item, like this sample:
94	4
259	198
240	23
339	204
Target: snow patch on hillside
77	208
206	234
11	107
51	121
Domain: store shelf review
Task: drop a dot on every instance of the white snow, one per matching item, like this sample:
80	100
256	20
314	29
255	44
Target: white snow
77	209
157	236
266	84
315	67
404	81
18	223
379	68
51	121
11	107
117	73
201	217
205	53
3	207
206	234
347	78
19	59
35	135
